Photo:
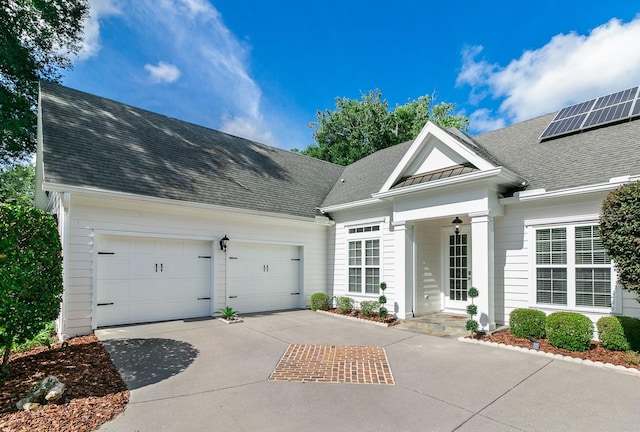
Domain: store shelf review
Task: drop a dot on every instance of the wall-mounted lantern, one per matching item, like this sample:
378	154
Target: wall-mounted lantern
224	241
456	222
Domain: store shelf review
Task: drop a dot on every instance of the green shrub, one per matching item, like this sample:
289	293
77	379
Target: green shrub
472	326
527	323
611	334
631	328
320	301
30	274
569	330
345	305
382	299
383	312
620	231
368	307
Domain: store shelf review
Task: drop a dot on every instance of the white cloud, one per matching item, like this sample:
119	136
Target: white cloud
568	69
98	9
163	72
483	121
213	65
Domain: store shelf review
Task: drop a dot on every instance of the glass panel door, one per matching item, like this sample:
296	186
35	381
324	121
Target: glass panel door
458	256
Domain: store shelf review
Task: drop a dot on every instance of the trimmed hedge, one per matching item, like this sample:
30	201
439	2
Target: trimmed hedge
611	334
569	330
320	301
528	323
631	328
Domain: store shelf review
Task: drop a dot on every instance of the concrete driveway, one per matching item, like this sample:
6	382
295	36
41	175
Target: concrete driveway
207	375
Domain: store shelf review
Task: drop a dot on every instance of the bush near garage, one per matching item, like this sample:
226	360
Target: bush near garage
528	323
30	274
569	330
368	307
320	301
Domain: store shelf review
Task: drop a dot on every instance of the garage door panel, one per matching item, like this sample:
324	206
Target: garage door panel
139	293
263	277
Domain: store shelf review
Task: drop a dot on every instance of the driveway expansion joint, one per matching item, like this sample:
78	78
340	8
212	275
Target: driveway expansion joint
334	364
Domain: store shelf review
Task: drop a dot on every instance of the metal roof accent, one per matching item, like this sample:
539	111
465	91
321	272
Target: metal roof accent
442	173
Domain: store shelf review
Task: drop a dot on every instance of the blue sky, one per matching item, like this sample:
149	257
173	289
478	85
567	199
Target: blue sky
261	69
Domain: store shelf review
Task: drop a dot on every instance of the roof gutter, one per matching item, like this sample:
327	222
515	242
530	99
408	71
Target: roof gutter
349	205
57	187
540	194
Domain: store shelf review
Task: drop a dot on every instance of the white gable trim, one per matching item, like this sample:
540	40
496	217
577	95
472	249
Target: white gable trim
432	131
349	205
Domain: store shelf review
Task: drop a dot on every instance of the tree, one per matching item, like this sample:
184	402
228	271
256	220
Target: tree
620	233
36	39
17	184
30	274
357	128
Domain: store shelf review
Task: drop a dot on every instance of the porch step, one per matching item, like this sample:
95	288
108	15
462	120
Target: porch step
436	324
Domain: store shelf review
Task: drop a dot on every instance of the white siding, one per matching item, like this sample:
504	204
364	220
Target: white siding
374	215
91	216
514	279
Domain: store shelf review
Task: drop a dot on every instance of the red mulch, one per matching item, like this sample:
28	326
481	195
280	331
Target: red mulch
94	395
389	320
596	354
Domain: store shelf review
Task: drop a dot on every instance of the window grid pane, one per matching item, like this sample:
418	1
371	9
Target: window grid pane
551	246
372	252
589	248
551	286
593	287
355	253
355	280
372	280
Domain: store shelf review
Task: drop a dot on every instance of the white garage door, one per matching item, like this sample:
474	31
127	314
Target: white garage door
151	279
263	277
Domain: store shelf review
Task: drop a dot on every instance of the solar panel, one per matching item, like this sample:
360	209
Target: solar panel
615	107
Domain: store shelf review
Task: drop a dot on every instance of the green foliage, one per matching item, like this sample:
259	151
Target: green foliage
228	312
345	305
320	301
43	338
473	292
528	323
383	286
382	299
611	334
17	184
358	128
569	330
632	357
368	307
472	309
620	233
472	326
30	274
383	312
631	329
37	38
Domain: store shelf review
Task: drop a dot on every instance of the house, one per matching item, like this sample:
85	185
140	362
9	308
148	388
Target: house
145	204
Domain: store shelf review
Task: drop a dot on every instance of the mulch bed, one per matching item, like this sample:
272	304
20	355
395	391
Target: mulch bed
94	393
596	354
390	320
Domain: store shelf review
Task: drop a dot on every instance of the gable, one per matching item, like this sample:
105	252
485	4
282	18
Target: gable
435	154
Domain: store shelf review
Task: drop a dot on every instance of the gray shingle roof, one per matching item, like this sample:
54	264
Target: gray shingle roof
89	141
587	158
366	176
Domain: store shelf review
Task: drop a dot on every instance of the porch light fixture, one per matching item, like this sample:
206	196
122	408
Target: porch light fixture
456	222
224	241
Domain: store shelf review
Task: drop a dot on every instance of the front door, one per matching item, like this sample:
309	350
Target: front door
458	271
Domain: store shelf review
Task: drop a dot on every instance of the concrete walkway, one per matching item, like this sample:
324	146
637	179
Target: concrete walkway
207	375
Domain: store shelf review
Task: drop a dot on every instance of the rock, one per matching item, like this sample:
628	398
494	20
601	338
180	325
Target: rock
49	389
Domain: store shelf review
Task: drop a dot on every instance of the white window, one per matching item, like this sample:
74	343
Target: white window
572	268
364	261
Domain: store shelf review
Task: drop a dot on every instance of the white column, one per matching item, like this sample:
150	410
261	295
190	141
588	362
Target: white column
482	261
403	268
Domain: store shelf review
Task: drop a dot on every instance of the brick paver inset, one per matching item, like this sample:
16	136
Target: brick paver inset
335	364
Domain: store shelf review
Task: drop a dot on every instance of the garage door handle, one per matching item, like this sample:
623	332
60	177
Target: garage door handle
156	268
105	304
295	293
204	298
161	267
233	296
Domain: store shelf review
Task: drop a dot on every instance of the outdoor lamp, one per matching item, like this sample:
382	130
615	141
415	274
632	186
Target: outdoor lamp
224	241
457	221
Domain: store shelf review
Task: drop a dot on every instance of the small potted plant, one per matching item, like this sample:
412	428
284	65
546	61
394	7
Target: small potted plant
383	312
